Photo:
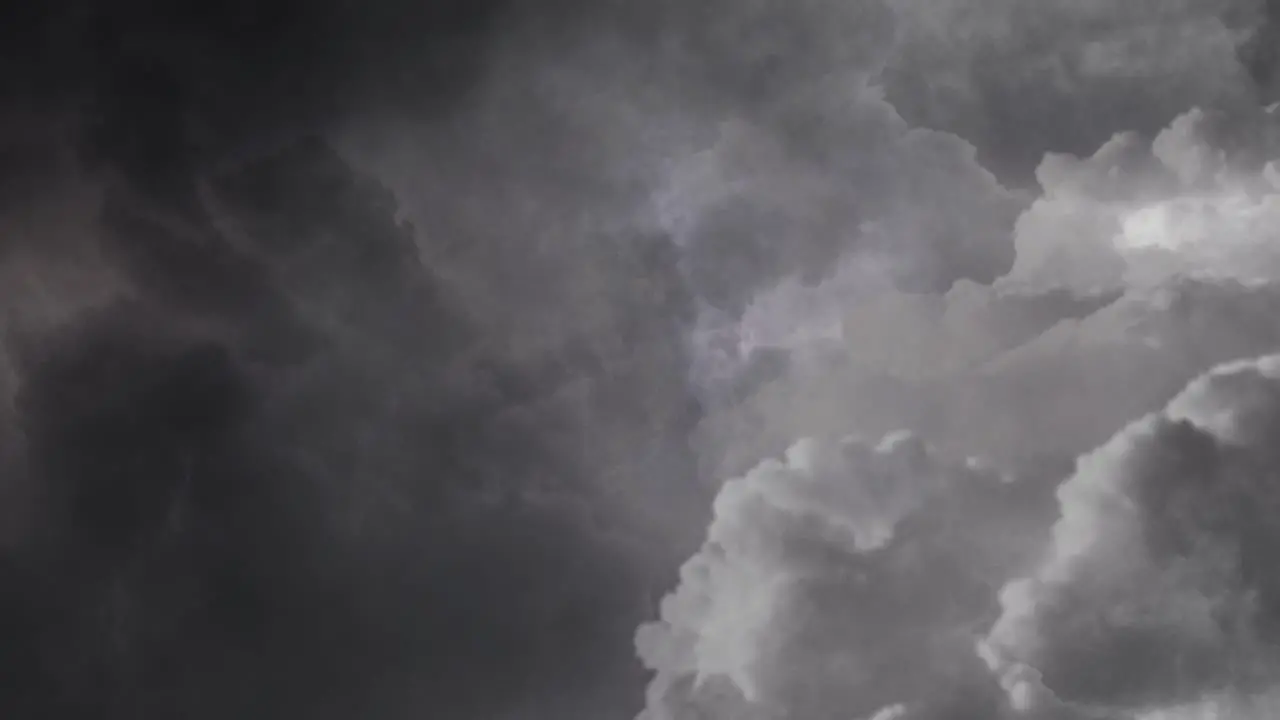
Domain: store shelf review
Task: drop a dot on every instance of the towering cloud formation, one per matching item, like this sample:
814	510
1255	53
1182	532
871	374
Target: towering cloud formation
1138	268
1157	587
844	579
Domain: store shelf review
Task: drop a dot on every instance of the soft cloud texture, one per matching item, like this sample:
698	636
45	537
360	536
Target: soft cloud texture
1157	588
1136	213
269	451
1018	78
845	578
1138	268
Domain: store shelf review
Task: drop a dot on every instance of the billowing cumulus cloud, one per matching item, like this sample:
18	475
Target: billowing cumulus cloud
1136	213
1156	588
844	579
1140	267
769	140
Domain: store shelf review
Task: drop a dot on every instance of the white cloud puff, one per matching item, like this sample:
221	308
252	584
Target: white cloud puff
839	581
1139	268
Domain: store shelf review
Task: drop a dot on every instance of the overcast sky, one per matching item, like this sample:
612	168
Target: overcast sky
585	360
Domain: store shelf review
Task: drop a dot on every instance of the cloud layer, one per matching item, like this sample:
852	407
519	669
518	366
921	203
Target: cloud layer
269	451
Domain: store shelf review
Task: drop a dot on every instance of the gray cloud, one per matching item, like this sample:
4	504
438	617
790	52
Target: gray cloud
1048	362
1019	79
840	580
271	452
1129	281
1155	590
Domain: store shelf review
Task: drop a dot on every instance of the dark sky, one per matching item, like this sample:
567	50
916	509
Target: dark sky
277	478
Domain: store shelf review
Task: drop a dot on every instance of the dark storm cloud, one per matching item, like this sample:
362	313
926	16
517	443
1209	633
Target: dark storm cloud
277	478
246	64
1018	79
275	469
753	134
268	464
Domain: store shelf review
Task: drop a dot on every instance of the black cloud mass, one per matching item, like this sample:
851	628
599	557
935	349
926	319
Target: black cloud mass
804	359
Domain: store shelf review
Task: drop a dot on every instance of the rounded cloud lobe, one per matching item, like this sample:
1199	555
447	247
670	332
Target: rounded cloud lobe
1137	213
846	578
1139	267
1157	588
